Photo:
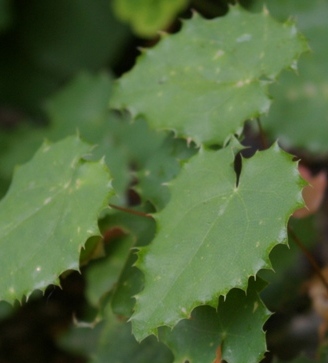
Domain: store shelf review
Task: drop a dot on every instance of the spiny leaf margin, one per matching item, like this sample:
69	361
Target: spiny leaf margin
183	266
50	210
235	328
206	80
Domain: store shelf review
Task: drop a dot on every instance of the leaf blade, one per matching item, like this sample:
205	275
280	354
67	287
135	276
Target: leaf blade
53	202
240	53
220	234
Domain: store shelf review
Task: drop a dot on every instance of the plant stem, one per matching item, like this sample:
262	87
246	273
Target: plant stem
308	256
263	138
131	211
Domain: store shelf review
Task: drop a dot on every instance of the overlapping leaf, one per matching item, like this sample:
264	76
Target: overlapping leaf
205	81
299	114
235	330
147	17
81	106
213	234
47	215
131	279
102	275
160	167
111	341
286	279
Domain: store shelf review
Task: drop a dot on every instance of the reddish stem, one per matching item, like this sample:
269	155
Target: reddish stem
308	256
131	211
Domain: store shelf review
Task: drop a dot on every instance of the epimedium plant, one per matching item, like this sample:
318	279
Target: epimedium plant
181	280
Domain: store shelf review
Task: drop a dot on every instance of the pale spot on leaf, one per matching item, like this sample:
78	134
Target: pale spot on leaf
244	38
47	201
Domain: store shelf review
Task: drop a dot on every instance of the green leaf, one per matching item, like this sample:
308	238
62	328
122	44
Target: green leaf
102	274
214	235
161	166
147	17
236	327
80	105
205	81
76	44
288	275
299	114
111	341
117	344
131	279
49	212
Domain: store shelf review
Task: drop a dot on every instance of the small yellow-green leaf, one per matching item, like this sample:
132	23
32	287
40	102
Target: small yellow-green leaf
147	17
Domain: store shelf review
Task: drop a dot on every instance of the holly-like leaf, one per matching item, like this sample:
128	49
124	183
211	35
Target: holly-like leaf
81	106
213	235
147	17
235	329
205	81
286	280
49	212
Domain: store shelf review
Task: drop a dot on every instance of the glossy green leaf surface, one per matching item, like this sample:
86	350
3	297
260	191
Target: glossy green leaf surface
236	327
147	17
205	81
209	224
50	210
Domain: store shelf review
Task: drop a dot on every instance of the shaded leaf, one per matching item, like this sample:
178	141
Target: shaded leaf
286	280
102	274
205	81
298	116
81	106
161	166
117	344
47	215
131	279
214	235
237	327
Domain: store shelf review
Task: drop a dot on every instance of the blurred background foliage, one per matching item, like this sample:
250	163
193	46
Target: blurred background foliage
58	60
